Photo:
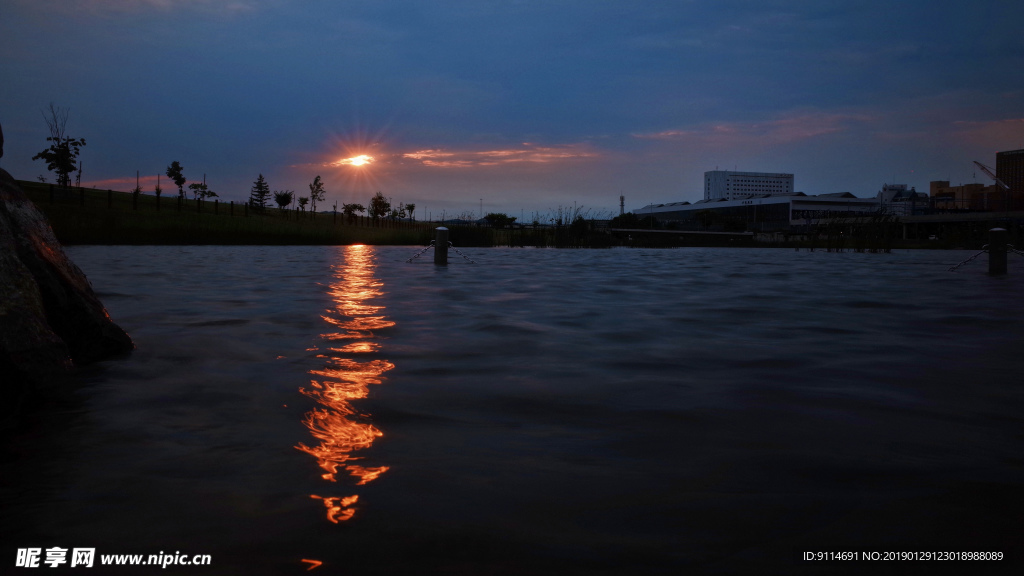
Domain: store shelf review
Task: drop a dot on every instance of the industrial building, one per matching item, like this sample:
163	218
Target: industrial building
764	213
730	185
1010	169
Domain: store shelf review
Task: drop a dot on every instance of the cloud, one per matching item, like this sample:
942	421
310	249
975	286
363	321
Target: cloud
528	153
128	6
127	183
783	130
1002	133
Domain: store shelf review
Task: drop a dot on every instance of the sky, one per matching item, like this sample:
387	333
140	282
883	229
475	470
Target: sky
519	107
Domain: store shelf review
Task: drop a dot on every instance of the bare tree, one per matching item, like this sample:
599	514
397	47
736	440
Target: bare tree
62	155
316	191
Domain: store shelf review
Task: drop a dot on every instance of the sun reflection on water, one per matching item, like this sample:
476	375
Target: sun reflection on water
334	422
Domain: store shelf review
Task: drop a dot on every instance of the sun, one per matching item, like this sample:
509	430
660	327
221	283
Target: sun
361	160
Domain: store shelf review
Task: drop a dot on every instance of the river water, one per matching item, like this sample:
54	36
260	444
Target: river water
538	411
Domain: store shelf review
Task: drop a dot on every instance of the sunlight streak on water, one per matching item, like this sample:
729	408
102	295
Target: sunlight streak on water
339	427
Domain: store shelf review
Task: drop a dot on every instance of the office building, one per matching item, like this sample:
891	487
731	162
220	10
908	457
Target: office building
729	185
1010	169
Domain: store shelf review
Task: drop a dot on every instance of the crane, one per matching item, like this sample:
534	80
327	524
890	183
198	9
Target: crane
988	170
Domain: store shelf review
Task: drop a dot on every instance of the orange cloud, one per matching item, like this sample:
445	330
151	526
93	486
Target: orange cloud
528	153
127	183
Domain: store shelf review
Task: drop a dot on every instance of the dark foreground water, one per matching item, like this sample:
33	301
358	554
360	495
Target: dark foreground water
539	412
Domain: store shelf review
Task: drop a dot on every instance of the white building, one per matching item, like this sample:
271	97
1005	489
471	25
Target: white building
897	199
729	185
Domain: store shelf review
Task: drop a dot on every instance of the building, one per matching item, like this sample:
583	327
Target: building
897	199
729	185
1010	169
974	196
765	213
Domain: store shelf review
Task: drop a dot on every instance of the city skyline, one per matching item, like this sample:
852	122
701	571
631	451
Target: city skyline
523	106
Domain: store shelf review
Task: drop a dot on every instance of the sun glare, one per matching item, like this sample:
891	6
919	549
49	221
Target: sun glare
361	160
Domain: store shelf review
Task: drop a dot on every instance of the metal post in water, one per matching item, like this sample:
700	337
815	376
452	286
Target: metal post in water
441	246
997	251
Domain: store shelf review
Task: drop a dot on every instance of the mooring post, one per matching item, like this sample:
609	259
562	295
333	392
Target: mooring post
441	246
997	251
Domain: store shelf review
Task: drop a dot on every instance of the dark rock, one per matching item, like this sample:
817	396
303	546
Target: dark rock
50	318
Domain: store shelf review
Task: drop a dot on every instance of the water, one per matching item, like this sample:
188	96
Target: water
539	412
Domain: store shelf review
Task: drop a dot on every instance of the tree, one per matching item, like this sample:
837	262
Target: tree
497	220
174	173
349	210
625	220
201	190
316	191
137	190
259	194
158	191
283	198
302	203
62	155
379	206
410	208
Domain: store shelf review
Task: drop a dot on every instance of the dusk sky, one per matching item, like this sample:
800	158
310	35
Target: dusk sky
527	105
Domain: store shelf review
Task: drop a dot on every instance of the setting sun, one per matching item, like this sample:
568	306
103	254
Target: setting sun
361	160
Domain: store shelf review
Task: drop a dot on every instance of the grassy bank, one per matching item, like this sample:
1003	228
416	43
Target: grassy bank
89	216
86	216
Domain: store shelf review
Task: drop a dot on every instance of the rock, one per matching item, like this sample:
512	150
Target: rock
50	318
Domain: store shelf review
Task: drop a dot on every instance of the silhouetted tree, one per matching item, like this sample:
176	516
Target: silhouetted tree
379	207
174	173
497	220
349	210
200	190
626	220
411	208
137	190
158	191
316	191
61	157
302	203
283	198
259	194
